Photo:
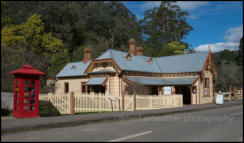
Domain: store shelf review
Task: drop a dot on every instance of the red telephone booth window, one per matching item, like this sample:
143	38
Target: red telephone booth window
29	95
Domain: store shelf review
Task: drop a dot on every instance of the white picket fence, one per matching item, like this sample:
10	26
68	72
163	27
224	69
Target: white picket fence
95	103
101	102
92	103
61	101
146	102
7	99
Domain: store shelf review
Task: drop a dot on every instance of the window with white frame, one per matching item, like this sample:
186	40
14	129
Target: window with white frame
167	90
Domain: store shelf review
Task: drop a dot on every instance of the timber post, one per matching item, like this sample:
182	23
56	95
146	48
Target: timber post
151	102
134	100
230	94
162	91
100	102
191	95
123	101
72	103
159	91
241	93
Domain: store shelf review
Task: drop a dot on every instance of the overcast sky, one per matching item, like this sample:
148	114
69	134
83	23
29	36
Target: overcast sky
217	23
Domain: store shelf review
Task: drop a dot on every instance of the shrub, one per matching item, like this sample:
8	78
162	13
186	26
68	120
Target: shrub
5	111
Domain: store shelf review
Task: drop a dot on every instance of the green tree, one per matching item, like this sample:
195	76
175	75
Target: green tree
227	56
5	17
173	48
76	23
240	53
164	25
30	39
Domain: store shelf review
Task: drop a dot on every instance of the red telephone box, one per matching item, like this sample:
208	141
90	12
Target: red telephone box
26	92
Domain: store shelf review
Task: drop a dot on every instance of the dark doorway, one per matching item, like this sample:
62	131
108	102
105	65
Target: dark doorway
185	91
154	90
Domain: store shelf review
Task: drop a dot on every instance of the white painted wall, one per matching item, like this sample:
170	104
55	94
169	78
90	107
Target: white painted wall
99	66
204	99
74	85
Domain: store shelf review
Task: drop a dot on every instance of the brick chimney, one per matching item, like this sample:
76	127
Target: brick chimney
139	51
132	46
87	55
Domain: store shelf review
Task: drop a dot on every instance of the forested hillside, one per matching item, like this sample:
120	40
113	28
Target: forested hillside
49	34
230	68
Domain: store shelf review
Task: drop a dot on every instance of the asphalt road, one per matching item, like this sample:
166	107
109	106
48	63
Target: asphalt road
221	124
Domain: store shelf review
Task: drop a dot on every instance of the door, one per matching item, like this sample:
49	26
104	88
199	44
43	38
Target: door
185	91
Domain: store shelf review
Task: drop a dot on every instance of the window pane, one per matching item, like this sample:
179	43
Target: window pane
33	82
26	101
32	108
167	90
32	101
27	89
26	95
66	87
26	82
26	108
33	95
32	89
83	86
194	89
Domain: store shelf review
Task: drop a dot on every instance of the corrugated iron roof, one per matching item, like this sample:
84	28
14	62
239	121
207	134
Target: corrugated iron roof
170	64
96	81
161	81
79	69
182	63
137	63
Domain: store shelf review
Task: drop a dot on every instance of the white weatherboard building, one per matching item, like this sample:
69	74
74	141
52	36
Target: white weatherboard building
115	73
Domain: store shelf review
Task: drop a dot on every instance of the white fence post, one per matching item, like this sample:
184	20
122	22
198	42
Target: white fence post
100	102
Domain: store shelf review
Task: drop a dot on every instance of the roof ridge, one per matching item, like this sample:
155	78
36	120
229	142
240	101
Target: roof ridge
162	56
79	62
182	55
75	62
111	55
118	51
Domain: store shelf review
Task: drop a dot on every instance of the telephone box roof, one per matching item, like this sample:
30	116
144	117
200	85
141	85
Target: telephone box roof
27	69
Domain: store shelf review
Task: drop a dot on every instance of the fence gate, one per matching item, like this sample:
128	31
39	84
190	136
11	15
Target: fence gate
61	102
129	102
